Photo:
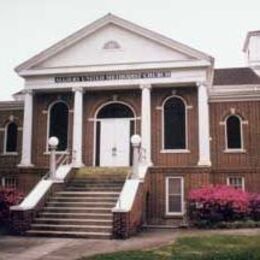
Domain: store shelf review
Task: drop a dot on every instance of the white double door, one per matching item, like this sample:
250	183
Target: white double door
115	142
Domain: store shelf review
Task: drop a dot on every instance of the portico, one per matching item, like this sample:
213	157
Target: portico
165	64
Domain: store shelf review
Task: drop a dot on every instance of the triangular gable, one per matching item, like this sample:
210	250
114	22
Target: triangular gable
62	52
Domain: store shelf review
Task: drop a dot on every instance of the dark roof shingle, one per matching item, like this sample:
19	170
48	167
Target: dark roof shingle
235	76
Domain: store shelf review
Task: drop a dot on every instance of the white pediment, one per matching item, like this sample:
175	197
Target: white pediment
95	50
112	41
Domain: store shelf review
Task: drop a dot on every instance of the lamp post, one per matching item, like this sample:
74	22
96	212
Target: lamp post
136	141
53	143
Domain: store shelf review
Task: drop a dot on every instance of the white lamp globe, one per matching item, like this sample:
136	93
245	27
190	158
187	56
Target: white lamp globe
53	141
136	139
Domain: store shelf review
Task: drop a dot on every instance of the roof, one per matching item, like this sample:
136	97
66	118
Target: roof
103	21
235	76
11	105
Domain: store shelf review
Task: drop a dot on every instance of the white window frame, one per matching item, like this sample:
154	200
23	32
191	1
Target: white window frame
47	151
169	213
163	149
234	150
237	177
5	139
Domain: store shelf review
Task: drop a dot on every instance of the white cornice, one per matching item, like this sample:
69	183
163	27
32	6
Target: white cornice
111	19
225	93
116	67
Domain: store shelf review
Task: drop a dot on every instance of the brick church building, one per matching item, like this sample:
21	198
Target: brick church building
94	90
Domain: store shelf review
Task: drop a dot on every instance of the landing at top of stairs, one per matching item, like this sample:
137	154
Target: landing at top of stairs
102	170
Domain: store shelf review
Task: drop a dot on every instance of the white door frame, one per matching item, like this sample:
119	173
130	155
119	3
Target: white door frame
132	119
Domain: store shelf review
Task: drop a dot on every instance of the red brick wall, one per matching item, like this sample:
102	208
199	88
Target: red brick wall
194	177
249	111
175	159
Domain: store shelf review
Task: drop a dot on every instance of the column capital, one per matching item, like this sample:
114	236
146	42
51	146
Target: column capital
78	89
201	84
28	91
145	86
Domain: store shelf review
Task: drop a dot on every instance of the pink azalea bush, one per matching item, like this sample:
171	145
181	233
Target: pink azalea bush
210	205
254	206
8	198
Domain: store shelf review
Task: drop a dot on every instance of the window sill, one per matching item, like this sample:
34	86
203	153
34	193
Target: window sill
57	152
175	151
172	215
234	151
9	154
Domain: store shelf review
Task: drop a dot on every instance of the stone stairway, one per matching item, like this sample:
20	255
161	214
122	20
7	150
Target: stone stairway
83	208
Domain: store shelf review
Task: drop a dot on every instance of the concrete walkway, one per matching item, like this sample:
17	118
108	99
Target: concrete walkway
31	248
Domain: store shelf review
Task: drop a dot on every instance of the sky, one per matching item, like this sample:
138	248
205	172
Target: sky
217	28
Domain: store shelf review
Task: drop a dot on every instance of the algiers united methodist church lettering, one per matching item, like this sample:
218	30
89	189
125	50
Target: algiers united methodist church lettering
113	76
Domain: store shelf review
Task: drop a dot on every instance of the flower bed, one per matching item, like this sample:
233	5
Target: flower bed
211	206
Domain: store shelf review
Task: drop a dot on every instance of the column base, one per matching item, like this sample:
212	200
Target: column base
25	165
77	165
205	163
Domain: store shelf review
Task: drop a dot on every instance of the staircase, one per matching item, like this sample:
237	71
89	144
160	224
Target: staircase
83	208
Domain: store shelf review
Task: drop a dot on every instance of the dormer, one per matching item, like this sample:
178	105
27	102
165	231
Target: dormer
252	50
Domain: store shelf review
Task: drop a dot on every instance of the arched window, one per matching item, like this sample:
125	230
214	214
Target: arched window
58	124
233	132
174	113
11	138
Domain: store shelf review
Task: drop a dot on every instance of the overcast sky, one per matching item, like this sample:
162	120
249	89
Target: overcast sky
216	27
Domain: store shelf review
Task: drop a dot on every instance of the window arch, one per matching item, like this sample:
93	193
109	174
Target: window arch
234	132
10	144
174	127
115	110
58	123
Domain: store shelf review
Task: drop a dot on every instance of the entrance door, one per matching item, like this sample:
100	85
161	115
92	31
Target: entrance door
115	142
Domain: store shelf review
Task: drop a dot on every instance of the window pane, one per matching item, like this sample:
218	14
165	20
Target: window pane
175	203
174	124
236	182
11	142
59	124
233	133
174	186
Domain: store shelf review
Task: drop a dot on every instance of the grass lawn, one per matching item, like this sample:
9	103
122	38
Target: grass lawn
217	247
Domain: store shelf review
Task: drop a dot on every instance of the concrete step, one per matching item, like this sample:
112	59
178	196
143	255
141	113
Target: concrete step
76	188
85	199
89	193
76	215
96	185
65	227
81	204
97	181
72	221
78	209
70	234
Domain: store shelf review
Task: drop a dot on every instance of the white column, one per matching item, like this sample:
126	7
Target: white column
146	121
77	128
27	130
204	134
